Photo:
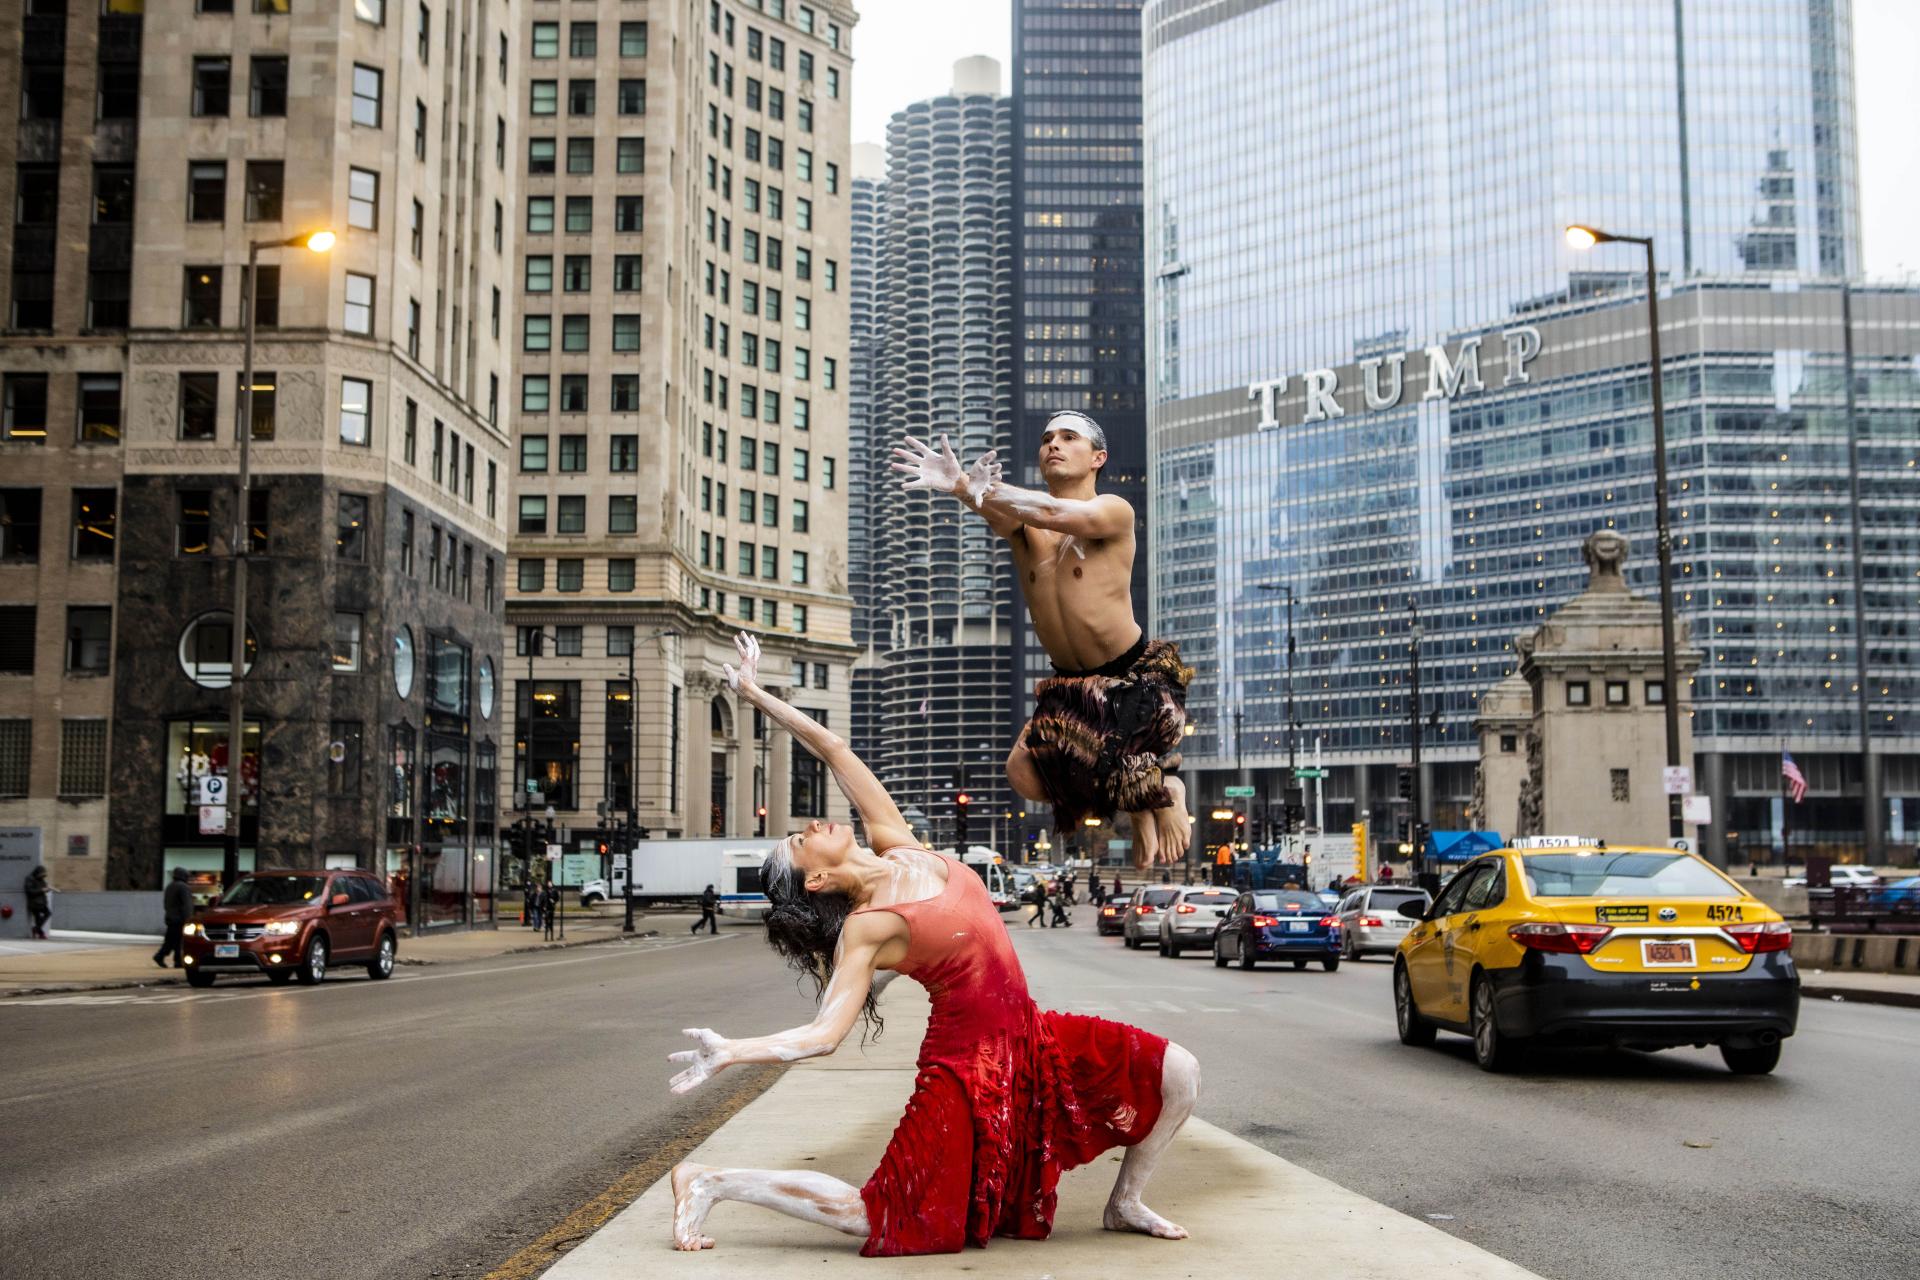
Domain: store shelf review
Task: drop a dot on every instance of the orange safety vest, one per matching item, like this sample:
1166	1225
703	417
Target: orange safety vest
1224	858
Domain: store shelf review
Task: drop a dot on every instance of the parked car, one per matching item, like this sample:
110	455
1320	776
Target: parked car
1142	914
289	924
1190	920
1278	924
1842	875
1112	913
1370	919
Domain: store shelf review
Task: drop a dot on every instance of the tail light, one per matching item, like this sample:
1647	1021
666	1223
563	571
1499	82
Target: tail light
1756	938
1266	922
1329	922
1373	922
1567	939
1186	909
1144	909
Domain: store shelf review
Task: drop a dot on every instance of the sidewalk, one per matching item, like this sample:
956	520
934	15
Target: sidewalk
1230	1194
94	961
1860	988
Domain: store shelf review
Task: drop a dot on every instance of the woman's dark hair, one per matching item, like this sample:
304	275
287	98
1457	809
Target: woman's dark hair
805	928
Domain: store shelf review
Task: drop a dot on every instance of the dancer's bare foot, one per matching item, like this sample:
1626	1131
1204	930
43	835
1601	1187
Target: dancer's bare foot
1131	1215
690	1207
1174	823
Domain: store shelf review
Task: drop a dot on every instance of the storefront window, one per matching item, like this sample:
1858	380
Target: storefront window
550	751
197	750
446	800
400	770
486	809
447	663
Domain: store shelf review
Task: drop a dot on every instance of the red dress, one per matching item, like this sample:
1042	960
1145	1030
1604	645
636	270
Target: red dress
1008	1096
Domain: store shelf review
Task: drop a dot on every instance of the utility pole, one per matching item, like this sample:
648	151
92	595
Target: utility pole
1413	716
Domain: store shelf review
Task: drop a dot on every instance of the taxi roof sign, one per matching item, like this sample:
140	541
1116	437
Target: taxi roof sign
1556	842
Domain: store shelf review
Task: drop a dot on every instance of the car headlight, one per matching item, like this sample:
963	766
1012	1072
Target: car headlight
282	927
188	930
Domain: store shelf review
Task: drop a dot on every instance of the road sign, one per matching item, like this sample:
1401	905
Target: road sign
1239	793
1678	779
213	819
553	853
1698	810
1309	773
212	789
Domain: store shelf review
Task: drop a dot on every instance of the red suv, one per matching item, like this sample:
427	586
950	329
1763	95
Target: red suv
295	923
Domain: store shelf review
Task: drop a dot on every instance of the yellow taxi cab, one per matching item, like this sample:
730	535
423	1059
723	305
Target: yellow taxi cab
1568	941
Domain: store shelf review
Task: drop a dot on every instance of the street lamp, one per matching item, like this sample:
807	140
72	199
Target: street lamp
237	546
1583	238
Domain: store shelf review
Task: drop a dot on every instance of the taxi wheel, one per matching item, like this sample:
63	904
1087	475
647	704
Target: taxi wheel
313	968
1752	1059
199	978
1219	956
1414	1029
1492	1049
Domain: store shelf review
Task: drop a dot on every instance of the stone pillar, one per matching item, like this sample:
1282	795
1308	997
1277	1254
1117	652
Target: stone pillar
697	711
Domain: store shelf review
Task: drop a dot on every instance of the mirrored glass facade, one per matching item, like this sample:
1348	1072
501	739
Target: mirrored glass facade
1387	178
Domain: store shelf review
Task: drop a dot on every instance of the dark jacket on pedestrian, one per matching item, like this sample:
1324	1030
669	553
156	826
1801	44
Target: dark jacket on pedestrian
37	889
177	901
709	899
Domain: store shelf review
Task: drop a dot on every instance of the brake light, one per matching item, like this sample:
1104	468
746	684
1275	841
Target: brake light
1567	939
1266	922
1756	938
1186	909
1329	922
1144	909
1373	922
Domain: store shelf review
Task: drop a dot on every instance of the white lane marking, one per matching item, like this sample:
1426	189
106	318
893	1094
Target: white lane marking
208	997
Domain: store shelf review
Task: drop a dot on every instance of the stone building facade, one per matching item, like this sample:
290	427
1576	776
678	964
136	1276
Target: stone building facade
679	410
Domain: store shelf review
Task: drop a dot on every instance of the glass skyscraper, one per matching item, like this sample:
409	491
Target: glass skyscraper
1366	198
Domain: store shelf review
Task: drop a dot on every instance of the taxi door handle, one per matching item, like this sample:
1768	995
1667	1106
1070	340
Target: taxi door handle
1473	926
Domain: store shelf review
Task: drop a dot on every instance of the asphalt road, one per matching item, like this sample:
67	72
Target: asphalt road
435	1125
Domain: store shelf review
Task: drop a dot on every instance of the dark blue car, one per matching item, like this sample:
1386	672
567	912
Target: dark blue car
1278	924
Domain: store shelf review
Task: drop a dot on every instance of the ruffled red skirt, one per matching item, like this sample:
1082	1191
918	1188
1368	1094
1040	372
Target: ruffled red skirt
984	1141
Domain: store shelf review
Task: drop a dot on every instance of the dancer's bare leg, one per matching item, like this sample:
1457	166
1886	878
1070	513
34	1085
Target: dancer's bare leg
1022	775
1179	1087
1175	824
811	1197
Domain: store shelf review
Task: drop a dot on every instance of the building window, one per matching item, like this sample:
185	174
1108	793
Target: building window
212	86
628	213
356	410
1509	743
374	11
193	525
357	317
541	154
577	273
623	513
350	528
25	410
620	575
539	273
1620	787
419	130
363	199
579	215
345	741
266	297
533	513
630	155
633	39
95	521
266	184
199	405
267	86
533	450
631	98
346	641
20	525
626	393
569	641
580	95
16	747
572	514
540	215
623	453
1656	693
366	96
576	333
201	301
532	575
1579	694
83	759
798	508
583	40
89	640
545	97
569	575
626	332
1616	693
536	394
579	155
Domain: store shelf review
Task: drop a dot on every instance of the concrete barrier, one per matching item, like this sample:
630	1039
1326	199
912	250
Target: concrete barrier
1857	952
136	911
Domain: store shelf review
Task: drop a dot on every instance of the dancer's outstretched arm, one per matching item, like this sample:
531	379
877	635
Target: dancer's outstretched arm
1008	507
886	829
853	973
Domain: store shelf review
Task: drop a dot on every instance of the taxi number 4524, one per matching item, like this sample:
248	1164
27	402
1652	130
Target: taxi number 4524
1719	911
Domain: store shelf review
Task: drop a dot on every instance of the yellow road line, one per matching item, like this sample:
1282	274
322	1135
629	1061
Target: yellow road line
535	1258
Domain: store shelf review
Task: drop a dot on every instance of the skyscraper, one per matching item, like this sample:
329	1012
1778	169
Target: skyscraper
373	530
680	409
866	432
944	613
1077	259
1380	378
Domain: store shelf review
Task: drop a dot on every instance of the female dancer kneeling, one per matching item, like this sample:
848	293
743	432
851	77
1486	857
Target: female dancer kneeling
1008	1096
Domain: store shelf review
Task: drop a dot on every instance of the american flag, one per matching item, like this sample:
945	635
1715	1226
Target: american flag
1796	781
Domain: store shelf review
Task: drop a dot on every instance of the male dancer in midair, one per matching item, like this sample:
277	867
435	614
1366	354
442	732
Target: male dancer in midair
1106	728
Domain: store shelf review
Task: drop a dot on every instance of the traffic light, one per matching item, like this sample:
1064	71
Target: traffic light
761	814
961	802
1406	782
603	848
1420	833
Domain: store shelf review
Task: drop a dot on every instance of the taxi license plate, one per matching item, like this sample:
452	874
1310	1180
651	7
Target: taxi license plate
226	951
1667	953
1296	926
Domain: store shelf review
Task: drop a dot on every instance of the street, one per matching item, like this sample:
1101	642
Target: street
437	1123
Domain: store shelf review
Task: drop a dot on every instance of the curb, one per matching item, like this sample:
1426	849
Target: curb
1861	995
68	988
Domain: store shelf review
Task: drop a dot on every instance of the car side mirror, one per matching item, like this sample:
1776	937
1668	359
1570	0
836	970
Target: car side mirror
1413	911
339	900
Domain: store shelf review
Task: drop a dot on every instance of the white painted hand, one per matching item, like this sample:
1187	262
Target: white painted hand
746	676
936	470
702	1064
982	476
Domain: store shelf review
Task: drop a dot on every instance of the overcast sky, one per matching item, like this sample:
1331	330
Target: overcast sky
906	49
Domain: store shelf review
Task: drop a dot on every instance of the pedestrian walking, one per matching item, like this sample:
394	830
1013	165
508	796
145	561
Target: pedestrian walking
529	908
708	920
1094	887
1119	890
1038	894
549	902
1061	920
39	899
177	904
